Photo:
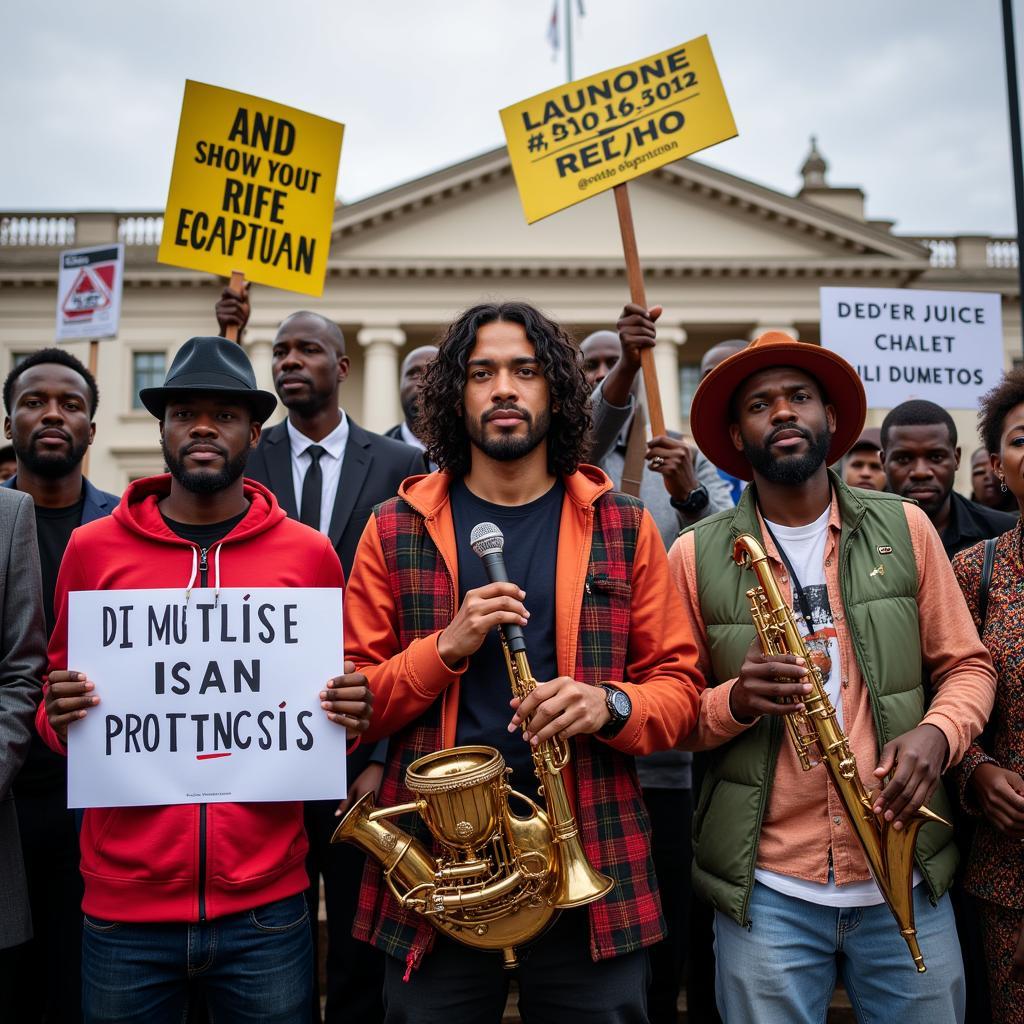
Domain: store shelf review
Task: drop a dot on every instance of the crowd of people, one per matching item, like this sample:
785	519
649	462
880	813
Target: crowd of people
737	874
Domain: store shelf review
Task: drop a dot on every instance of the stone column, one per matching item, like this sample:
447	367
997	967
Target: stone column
666	359
258	342
381	405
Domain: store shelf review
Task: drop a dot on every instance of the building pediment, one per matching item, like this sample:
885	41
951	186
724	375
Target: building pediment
688	216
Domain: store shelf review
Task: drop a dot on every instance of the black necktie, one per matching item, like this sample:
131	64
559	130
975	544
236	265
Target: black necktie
312	488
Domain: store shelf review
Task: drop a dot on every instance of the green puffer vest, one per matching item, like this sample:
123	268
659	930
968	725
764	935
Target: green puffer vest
881	612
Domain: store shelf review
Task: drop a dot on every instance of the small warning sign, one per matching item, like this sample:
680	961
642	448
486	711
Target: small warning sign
89	292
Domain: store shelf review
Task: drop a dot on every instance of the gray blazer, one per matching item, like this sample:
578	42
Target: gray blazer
22	663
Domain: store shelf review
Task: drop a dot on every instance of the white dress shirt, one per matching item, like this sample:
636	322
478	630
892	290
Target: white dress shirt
410	438
330	466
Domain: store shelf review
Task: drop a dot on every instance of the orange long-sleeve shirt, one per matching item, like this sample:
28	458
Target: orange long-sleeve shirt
805	817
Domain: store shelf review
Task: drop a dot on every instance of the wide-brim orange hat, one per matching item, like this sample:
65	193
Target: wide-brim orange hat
711	411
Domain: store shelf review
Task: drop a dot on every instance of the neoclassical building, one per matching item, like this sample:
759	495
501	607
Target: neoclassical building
726	258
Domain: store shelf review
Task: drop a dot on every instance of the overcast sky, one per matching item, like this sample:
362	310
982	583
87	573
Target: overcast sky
907	97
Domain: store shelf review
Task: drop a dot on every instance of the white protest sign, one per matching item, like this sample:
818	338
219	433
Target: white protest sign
946	347
89	283
207	700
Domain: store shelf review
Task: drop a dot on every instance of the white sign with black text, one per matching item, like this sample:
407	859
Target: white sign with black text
204	698
946	347
89	283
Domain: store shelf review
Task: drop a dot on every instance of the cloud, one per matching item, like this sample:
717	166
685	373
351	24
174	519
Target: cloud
907	99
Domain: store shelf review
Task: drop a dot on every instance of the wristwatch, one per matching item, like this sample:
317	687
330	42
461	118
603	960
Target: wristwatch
696	500
620	707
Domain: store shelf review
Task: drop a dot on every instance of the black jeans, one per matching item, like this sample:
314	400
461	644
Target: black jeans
671	812
558	982
42	977
355	970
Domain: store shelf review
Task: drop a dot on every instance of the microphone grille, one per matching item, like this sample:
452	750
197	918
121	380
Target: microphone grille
486	537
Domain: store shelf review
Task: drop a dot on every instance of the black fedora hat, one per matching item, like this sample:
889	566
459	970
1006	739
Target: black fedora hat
213	365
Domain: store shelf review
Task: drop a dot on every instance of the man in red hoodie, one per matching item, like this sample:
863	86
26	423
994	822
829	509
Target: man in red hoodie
200	894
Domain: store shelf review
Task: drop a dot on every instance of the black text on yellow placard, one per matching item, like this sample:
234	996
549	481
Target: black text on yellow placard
252	189
598	132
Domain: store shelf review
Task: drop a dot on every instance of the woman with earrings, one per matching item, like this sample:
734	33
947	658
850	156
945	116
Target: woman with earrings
991	575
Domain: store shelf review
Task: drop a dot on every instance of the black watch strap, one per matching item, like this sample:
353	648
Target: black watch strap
693	502
619	718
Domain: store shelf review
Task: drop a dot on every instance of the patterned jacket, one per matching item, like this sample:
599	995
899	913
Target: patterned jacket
618	620
995	867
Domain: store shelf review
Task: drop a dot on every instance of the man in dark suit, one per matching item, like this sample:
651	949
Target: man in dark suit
328	472
51	401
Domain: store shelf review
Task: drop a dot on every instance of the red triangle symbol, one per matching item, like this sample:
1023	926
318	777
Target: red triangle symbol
88	295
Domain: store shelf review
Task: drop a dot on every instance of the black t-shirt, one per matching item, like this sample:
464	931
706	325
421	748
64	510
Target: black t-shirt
204	534
43	770
53	527
531	547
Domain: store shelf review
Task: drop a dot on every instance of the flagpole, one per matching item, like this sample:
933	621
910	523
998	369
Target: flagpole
568	41
1013	101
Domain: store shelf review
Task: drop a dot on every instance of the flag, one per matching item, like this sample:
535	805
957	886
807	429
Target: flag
554	38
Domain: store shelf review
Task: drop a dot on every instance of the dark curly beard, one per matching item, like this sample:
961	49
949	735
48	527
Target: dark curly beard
510	447
790	469
205	483
50	466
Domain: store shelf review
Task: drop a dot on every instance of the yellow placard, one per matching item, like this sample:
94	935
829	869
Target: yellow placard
252	189
590	135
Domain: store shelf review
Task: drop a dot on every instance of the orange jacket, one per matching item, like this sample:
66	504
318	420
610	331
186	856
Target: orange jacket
662	678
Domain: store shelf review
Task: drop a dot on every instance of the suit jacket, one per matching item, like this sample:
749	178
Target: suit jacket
97	503
22	663
371	471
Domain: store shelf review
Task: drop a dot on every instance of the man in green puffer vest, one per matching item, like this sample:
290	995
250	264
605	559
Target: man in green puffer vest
881	613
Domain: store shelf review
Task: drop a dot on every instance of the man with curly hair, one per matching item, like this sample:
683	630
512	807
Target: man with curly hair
505	416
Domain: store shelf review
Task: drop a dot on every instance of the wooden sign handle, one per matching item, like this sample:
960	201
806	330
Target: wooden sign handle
237	285
635	276
94	360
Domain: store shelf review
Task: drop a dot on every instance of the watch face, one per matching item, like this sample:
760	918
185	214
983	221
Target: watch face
622	705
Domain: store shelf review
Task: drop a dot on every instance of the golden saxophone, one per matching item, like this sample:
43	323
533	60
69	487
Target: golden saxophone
500	878
816	733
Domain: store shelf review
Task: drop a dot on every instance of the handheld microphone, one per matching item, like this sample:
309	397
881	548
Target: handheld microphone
488	541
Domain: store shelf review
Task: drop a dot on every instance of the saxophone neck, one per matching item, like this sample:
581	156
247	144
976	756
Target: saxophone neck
521	667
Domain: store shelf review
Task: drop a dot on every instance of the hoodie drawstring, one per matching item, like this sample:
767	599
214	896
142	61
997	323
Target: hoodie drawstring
216	576
192	577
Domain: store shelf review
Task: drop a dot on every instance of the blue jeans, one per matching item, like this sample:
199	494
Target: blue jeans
783	968
252	966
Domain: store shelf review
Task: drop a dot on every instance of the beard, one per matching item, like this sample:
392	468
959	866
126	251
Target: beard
50	465
509	447
198	481
789	469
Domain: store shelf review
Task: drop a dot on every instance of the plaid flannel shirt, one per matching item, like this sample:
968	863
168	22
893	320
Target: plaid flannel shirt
612	819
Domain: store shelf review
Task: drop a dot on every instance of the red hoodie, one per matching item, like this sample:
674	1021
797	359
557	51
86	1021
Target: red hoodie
187	862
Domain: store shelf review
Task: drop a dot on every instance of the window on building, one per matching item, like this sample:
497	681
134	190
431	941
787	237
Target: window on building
689	378
17	358
148	371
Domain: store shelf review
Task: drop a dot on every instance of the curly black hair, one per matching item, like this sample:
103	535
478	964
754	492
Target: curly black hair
441	423
996	404
61	357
